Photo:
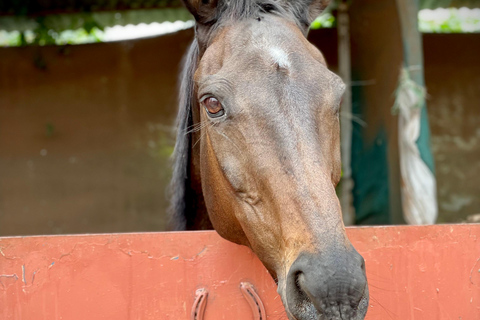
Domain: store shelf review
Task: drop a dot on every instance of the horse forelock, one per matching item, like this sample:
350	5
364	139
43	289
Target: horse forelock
227	12
301	11
241	9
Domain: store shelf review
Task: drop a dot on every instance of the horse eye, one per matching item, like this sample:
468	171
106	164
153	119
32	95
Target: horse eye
213	107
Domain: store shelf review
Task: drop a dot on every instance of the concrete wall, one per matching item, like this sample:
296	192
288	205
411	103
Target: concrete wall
85	135
85	131
452	75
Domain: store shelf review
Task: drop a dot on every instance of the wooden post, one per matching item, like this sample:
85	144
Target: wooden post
417	166
344	71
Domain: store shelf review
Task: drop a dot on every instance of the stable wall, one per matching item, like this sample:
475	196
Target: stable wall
85	135
414	273
452	76
85	131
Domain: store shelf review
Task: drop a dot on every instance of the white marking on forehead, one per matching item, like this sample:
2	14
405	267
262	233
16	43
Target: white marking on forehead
280	57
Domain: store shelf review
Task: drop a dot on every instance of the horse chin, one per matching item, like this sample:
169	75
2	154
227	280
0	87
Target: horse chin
307	310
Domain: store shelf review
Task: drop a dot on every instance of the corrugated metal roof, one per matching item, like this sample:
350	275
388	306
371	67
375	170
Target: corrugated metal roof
47	7
61	15
73	21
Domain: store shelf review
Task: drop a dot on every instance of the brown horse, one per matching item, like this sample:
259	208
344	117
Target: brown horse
257	155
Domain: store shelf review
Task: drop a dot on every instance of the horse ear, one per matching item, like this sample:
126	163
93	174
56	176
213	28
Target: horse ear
307	10
204	11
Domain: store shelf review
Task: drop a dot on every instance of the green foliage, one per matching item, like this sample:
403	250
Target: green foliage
46	34
326	20
43	35
449	20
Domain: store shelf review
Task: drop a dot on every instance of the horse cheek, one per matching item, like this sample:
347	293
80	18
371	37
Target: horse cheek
220	199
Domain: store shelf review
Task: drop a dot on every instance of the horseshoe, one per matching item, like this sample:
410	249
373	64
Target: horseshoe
249	293
199	304
254	301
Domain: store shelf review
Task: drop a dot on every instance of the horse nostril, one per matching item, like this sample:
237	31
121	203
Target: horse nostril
362	265
323	285
298	280
297	299
303	295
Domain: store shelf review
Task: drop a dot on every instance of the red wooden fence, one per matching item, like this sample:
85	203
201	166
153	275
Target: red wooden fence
414	273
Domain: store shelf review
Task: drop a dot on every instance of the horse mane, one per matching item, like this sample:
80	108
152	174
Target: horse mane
225	12
181	154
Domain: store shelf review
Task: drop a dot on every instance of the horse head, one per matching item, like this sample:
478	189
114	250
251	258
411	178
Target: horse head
258	151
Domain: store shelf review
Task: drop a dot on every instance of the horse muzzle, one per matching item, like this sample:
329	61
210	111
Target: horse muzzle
327	286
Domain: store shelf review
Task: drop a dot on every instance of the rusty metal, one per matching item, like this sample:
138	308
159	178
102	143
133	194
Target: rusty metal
199	305
254	301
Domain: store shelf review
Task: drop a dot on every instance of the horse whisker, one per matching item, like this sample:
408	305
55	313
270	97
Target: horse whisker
389	313
203	133
197	127
371	285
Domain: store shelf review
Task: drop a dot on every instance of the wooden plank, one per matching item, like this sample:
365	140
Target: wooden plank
414	273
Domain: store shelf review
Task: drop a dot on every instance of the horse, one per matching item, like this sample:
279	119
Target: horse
257	153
